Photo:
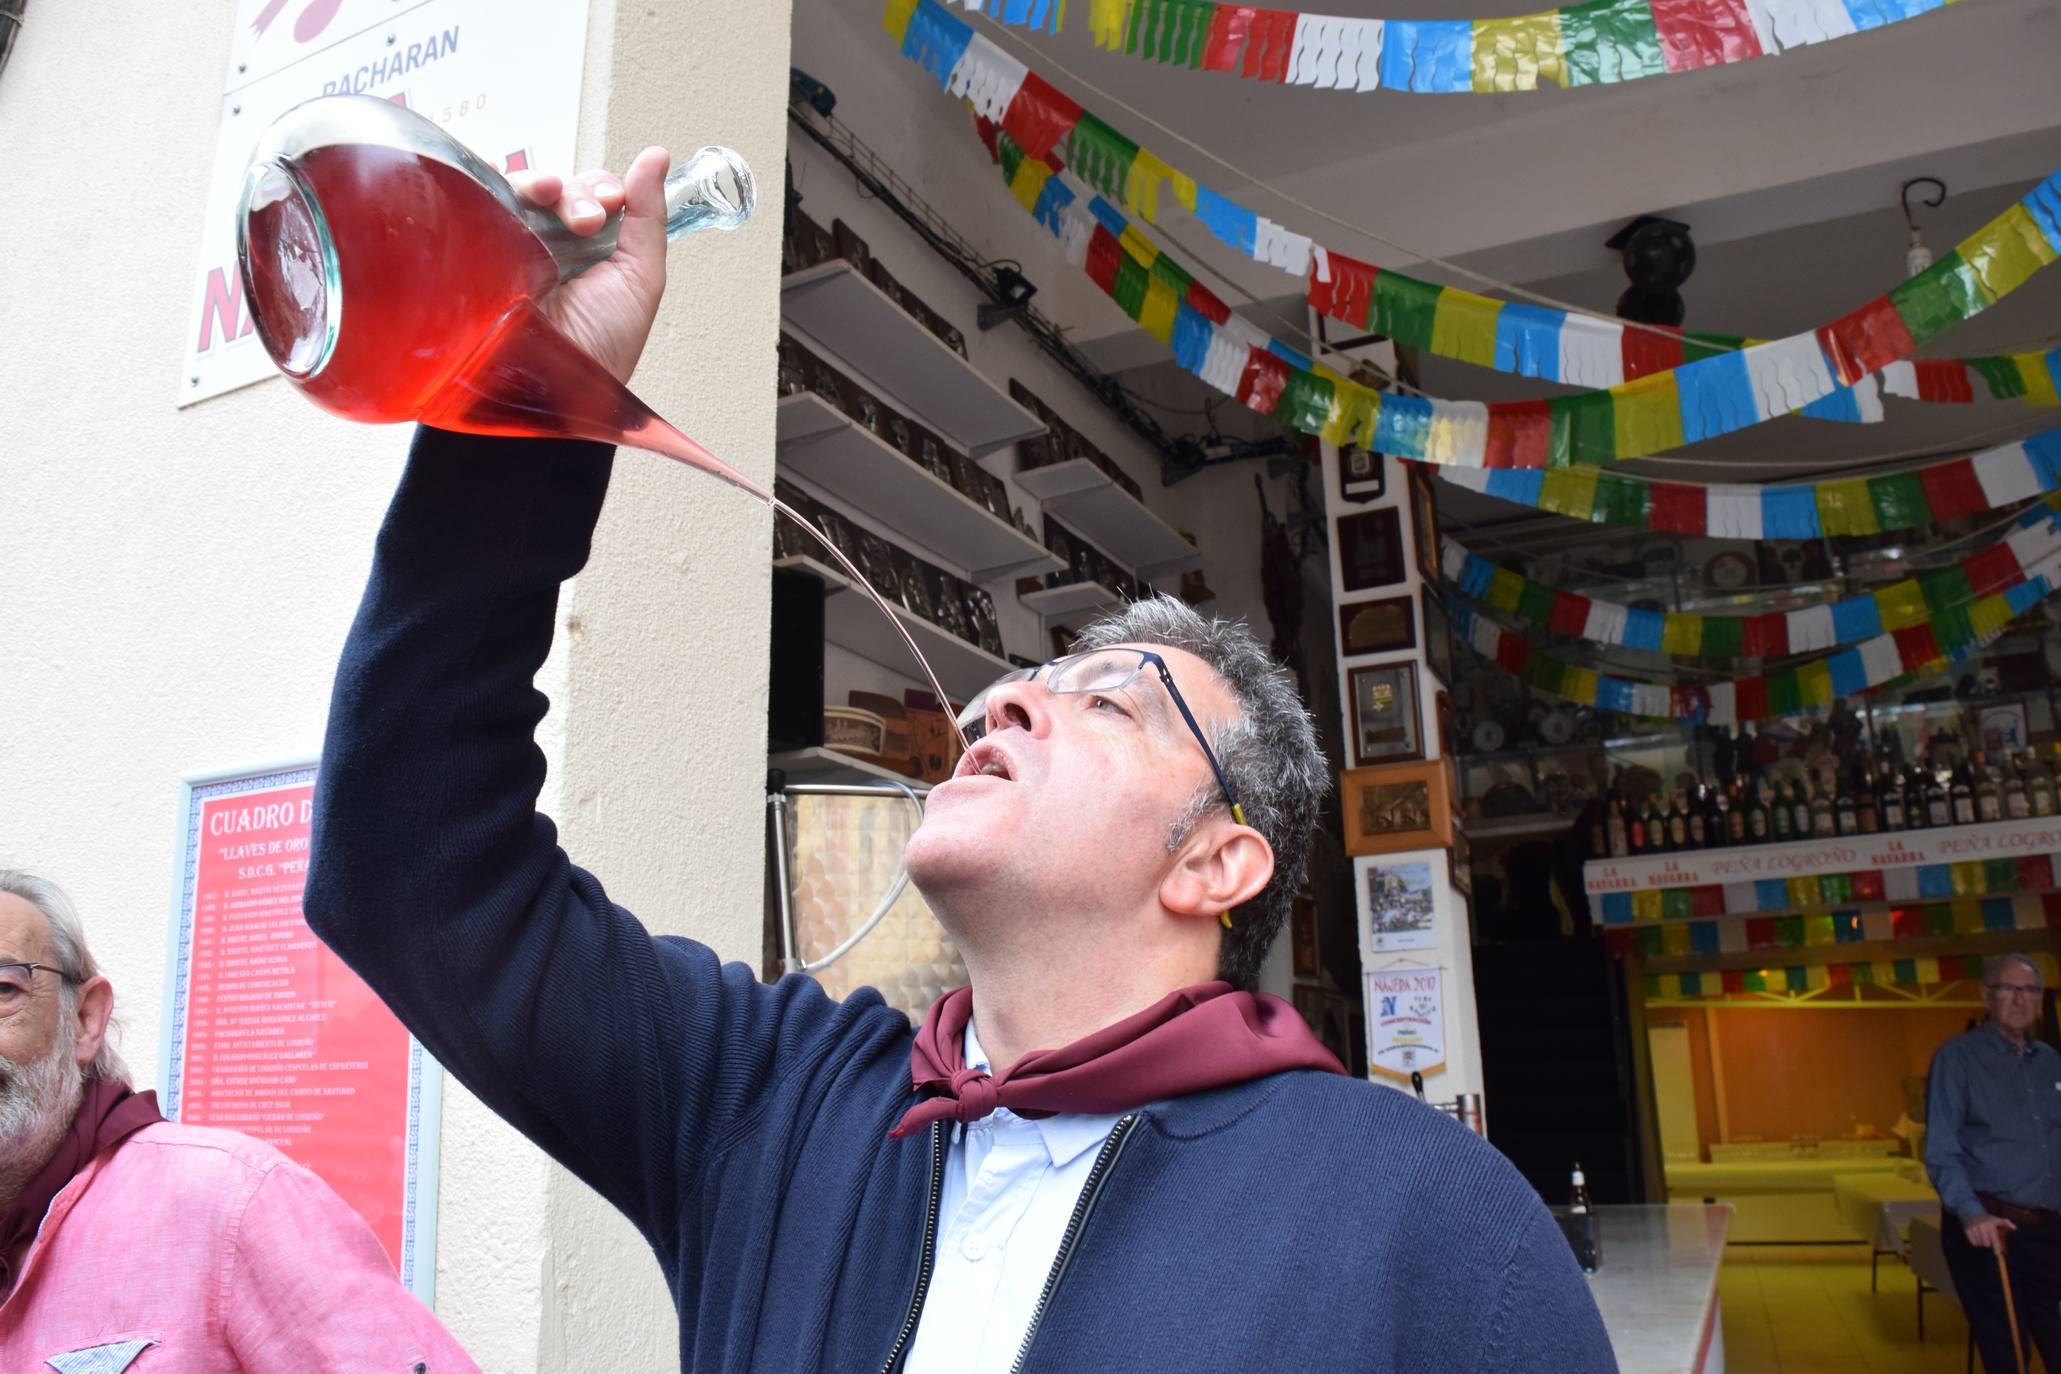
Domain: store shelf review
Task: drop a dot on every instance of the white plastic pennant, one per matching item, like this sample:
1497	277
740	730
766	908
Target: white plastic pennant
1224	363
1278	246
1799	23
1880	659
1811	628
1732	512
1724	710
1900	379
1591	351
2006	475
1787	374
1605	624
1458	435
987	77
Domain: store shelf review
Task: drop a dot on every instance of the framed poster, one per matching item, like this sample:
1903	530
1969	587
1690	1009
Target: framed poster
1398	806
1386	626
1406	1022
1362	476
2003	727
268	1033
1424	519
1370	549
1387	727
1438	637
1399	906
1302	930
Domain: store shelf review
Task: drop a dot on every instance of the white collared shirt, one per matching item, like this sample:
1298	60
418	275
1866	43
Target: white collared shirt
1010	1189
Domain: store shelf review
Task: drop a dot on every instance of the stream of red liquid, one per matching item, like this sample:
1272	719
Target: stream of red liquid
436	320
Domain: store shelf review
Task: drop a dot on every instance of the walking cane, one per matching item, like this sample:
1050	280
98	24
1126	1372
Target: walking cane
2010	1308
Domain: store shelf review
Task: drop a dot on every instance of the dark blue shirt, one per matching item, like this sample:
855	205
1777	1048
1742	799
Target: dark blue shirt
1298	1221
1993	1122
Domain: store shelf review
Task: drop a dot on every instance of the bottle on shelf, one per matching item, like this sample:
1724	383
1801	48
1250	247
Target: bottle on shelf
1800	824
2017	795
1758	829
1716	817
1782	815
1578	1193
1735	813
1635	830
1615	830
1868	804
1963	794
1891	801
1989	797
1699	817
1938	800
1656	824
1677	823
2039	786
1846	814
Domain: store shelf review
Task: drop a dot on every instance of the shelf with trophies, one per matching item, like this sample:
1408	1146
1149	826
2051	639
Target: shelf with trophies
1077	482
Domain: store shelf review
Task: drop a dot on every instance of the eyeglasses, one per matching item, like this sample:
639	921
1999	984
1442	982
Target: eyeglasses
18	985
2025	990
1101	672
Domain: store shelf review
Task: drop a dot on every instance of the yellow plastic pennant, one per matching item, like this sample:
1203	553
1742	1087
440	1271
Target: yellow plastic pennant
1579	685
1109	21
1648	414
1354	409
1142	181
1803	892
1968	882
1029	181
1505	589
1989	614
1818	930
2007	250
1817	975
1515	54
1144	250
895	19
1928	970
1463	326
1570	491
1674	940
1814	683
1681	634
1161	304
2039	380
1647	905
1846	508
1967	917
1901	605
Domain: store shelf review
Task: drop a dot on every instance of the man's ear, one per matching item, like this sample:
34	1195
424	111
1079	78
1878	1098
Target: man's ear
95	1009
1221	866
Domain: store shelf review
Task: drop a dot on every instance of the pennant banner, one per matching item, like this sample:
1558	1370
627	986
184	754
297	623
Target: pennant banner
1944	597
1879	661
1825	375
1932	971
1953	898
1968	485
1599	43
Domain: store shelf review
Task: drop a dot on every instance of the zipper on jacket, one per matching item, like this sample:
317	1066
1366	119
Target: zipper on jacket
1090	1191
937	1193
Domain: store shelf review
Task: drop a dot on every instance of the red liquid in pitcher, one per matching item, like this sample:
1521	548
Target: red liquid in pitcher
436	320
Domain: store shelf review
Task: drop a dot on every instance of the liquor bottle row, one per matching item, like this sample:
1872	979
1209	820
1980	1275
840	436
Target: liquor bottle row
1827	802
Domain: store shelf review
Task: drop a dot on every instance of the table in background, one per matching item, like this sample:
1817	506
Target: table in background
1881	1207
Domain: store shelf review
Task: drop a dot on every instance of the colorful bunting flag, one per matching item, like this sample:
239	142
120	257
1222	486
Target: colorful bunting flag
1938	971
1980	584
1596	43
1825	379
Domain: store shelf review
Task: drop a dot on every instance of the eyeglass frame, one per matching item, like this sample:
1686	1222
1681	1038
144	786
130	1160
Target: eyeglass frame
1166	677
2015	989
34	969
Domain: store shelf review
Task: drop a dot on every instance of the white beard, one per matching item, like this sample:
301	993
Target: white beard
37	1104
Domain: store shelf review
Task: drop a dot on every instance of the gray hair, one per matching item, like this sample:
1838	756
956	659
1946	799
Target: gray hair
1997	965
1269	752
68	949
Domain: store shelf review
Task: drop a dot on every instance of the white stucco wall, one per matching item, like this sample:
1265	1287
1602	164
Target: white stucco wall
175	585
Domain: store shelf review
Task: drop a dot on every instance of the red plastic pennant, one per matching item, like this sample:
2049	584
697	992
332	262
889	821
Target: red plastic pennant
1570	614
1039	117
1866	340
1750	698
1916	646
1943	381
1645	349
1906	922
1763	636
1866	885
2035	872
1839	975
1228	28
1206	303
2050	903
1273	38
1733	980
1265	376
1760	932
1512	653
1676	509
1704	33
1349	295
1952	489
1993	569
1707	900
1104	253
1520	434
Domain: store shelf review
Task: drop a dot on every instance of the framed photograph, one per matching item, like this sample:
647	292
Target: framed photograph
1377	627
1302	929
1370	549
1398	806
1460	863
1362	476
1398	906
2003	727
1424	519
1406	1022
1438	638
1387	727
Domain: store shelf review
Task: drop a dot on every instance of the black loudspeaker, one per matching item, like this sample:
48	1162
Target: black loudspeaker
794	697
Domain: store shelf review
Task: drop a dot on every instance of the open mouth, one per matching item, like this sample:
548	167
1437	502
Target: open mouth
984	761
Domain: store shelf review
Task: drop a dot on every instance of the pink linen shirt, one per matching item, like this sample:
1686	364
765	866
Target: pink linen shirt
224	1256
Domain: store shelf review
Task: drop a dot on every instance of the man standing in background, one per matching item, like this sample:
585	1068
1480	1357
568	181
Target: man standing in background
1993	1149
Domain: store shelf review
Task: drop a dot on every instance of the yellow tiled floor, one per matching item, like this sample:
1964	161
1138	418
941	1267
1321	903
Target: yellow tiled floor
1807	1310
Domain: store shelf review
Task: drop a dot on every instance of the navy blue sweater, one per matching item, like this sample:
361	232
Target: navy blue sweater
1303	1221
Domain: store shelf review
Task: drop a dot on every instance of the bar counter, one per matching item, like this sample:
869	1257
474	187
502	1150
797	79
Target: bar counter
1657	1286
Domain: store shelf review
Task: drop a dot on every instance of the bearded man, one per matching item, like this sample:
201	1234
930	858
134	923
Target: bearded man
122	1233
1108	1148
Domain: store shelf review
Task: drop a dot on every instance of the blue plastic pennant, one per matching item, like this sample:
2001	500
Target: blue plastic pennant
1228	220
1716	396
1642	629
1849	673
1528	340
936	39
1431	56
1193	331
1522	485
1855	619
1789	513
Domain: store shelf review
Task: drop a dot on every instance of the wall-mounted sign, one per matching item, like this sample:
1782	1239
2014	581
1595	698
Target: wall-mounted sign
1406	1022
268	1033
1845	854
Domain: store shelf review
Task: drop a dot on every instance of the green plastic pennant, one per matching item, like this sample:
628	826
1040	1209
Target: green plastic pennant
1591	425
1621	501
1535	603
1723	636
1609	41
1132	278
1899	500
1938	298
1404	309
1100	155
